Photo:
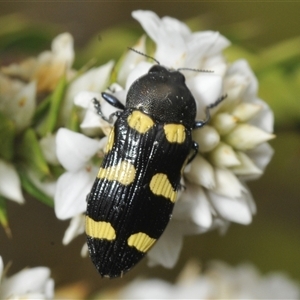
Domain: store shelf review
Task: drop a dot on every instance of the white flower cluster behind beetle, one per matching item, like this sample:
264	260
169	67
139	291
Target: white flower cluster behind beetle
34	283
19	88
219	281
233	146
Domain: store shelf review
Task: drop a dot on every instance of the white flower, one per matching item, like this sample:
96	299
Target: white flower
74	151
94	80
48	67
10	184
34	283
17	101
229	153
177	46
220	281
19	86
233	147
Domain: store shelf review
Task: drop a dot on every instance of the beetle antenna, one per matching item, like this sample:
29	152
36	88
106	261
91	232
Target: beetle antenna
141	53
195	70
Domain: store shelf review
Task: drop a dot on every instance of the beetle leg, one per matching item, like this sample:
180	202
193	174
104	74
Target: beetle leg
199	124
97	106
195	148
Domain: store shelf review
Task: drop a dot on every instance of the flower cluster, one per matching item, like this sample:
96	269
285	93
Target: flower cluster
61	163
28	146
32	283
219	281
233	146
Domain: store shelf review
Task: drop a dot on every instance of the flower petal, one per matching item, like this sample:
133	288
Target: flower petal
207	138
245	137
232	209
201	172
206	89
131	60
71	192
48	146
94	80
246	111
1	268
18	103
63	48
224	156
227	184
246	167
75	228
265	118
194	205
150	289
74	149
10	184
84	98
168	34
141	69
224	122
93	124
46	186
261	155
84	250
242	73
29	282
166	250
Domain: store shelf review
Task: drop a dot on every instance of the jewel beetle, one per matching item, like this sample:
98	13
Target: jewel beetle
133	195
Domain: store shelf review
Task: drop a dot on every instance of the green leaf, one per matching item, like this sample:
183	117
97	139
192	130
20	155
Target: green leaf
22	36
280	53
109	44
7	133
73	121
31	154
56	171
41	110
3	216
48	125
31	189
277	89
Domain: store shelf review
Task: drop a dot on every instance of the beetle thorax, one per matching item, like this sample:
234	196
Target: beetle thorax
163	95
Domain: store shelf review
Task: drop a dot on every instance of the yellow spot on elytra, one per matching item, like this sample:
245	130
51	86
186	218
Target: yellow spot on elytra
110	141
141	241
124	172
161	186
99	229
139	121
175	133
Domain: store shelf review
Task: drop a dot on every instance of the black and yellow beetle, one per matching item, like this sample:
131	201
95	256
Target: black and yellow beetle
133	196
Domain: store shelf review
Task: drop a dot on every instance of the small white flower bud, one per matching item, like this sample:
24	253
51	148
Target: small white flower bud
224	122
245	137
227	184
247	167
201	172
207	138
232	209
224	156
246	111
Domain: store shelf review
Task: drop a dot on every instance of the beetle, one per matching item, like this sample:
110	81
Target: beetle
133	195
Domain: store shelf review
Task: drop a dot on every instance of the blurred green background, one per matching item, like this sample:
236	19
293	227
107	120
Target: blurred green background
267	34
